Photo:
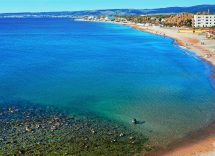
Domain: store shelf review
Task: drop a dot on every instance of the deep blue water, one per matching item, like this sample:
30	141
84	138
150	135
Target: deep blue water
110	70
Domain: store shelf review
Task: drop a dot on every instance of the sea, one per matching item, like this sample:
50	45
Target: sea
110	71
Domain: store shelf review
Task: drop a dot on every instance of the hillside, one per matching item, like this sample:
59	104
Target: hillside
179	20
120	12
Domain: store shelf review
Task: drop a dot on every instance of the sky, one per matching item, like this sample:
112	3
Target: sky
74	5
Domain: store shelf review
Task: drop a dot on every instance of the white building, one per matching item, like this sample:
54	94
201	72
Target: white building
109	18
203	21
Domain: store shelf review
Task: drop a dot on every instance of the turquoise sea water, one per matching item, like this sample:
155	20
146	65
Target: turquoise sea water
112	71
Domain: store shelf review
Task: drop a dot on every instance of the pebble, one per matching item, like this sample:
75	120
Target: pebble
131	138
85	139
53	128
11	110
114	140
93	131
86	146
121	134
21	151
37	126
27	129
87	130
57	124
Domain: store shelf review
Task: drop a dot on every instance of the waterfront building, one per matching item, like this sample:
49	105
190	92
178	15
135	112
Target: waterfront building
204	21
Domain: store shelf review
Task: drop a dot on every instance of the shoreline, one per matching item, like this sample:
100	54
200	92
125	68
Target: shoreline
197	143
201	143
191	41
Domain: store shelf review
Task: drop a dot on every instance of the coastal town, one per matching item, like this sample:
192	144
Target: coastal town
193	31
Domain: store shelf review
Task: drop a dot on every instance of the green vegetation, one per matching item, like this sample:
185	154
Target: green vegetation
177	20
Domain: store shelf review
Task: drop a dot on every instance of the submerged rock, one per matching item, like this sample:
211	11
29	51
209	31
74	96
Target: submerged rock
93	131
37	126
21	151
28	129
121	134
53	128
131	138
47	132
12	110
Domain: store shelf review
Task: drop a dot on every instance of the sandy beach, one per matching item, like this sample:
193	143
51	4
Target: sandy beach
191	41
199	143
204	145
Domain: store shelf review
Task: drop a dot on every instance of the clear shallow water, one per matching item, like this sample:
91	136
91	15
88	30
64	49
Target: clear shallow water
110	70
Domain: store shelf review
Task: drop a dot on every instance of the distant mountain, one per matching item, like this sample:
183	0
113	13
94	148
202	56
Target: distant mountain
169	10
